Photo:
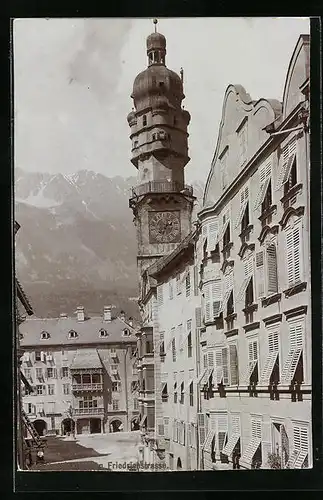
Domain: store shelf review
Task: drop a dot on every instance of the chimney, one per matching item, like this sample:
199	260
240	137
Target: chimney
80	313
122	315
63	315
107	313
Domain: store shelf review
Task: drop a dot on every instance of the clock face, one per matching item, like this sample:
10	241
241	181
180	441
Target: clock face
164	227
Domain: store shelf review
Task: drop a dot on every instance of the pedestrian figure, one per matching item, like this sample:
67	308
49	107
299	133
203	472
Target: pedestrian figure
235	460
40	456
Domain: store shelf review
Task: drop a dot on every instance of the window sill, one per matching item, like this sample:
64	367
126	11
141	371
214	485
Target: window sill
267	301
251	326
291	193
300	287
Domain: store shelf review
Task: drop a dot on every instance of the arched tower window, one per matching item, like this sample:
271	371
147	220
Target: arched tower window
144	120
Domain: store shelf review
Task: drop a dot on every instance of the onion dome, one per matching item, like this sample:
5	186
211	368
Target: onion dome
156	41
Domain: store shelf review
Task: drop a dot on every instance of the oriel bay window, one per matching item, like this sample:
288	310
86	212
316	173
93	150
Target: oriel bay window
280	442
226	365
87	403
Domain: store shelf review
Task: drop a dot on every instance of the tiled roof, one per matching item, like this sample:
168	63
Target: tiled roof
162	263
86	358
88	331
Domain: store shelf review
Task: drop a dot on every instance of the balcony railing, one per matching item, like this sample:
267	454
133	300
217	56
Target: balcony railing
88	411
160	187
87	387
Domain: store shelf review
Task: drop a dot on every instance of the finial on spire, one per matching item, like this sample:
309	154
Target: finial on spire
155	21
182	74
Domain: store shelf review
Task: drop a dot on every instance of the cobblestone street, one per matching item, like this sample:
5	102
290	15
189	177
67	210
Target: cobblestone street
90	452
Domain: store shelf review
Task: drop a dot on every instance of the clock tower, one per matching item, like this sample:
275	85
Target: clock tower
161	202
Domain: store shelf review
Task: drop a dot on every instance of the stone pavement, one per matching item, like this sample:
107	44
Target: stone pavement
100	449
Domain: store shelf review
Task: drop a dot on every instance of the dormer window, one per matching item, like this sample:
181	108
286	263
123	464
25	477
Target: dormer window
103	333
72	334
126	332
44	335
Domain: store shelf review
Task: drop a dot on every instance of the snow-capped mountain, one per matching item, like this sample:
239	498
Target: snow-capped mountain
77	242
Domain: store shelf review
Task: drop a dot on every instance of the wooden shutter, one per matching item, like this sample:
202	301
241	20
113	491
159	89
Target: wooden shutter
205	361
234	367
210	356
216	294
196	281
201	422
286	161
244	197
272	278
213	234
198	317
222	430
264	179
225	366
218	366
260	275
293	254
189	435
284	445
207	302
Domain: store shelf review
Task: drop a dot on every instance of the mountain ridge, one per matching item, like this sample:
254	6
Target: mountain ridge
77	240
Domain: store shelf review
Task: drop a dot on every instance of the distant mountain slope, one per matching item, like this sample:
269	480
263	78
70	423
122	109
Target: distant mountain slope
77	242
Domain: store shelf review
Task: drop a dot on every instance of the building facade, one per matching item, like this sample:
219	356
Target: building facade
83	374
161	202
177	356
22	309
241	342
253	256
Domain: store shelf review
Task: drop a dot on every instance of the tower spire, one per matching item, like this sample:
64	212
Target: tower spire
155	21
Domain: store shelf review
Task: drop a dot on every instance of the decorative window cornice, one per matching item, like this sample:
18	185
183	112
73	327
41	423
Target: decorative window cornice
251	326
275	318
227	266
296	311
268	230
244	248
291	211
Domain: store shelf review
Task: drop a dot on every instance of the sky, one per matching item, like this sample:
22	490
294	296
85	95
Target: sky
73	79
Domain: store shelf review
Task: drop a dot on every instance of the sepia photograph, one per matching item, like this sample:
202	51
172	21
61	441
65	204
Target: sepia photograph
162	244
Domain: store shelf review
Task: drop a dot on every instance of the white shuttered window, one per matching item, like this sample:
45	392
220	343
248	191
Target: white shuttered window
294	255
286	162
296	332
264	179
